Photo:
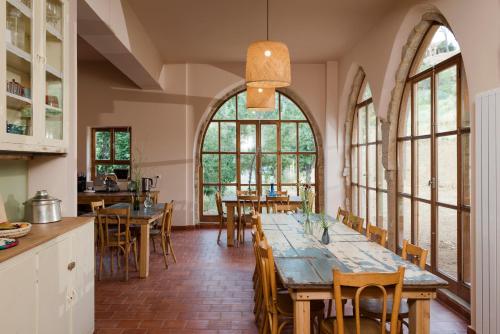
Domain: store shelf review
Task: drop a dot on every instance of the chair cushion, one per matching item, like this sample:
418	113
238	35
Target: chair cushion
373	308
367	326
285	304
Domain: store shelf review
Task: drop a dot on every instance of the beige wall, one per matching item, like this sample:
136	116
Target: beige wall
165	125
14	187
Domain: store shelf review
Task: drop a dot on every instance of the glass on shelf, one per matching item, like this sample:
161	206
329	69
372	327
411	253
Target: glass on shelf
18	28
54	14
53	108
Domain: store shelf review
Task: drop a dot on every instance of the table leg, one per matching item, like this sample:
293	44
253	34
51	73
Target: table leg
144	252
419	316
230	225
301	312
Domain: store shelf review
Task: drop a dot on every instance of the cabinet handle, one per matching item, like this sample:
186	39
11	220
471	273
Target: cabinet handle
71	265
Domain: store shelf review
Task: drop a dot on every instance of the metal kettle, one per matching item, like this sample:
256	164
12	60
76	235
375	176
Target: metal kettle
42	208
147	184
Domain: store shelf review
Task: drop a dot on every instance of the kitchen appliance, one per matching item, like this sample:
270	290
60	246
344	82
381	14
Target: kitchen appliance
147	184
42	208
81	182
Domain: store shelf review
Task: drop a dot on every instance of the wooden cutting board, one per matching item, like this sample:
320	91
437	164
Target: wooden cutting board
3	215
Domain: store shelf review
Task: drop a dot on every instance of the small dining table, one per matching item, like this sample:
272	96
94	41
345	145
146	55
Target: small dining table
231	203
305	266
144	218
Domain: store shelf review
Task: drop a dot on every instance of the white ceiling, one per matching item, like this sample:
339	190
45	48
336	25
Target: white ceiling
212	31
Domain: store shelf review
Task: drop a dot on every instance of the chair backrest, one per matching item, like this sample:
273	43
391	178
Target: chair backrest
418	254
257	223
281	192
269	287
248	201
356	223
377	234
97	205
218	202
371	285
166	223
342	215
115	217
277	203
246	192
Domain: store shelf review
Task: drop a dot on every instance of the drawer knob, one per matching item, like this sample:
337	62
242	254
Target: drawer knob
71	265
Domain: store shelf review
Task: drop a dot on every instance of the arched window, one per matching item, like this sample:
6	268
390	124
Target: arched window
368	185
245	149
434	160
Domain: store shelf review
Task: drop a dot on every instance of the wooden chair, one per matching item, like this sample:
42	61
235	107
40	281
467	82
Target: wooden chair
246	192
356	223
373	308
247	206
278	307
221	215
119	239
376	234
342	215
97	205
165	232
153	195
375	285
275	204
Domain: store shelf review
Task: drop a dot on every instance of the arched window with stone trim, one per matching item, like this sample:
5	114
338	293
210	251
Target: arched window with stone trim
433	184
243	149
368	185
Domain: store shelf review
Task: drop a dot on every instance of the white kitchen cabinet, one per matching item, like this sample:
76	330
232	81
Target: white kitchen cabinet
50	289
33	62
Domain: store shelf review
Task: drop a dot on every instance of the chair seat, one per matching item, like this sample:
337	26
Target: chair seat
368	326
373	308
285	304
114	240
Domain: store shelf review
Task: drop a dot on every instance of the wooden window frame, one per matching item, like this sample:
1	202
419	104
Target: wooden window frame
278	153
112	160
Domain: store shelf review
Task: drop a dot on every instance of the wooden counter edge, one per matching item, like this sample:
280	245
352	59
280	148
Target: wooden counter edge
42	233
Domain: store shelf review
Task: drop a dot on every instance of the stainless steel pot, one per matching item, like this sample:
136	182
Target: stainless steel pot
42	208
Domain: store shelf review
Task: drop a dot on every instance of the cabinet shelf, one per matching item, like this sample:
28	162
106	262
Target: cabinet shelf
22	7
54	32
18	59
53	110
52	71
16	101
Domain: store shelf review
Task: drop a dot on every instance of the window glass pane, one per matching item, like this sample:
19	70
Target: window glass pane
291	190
447	169
247	168
268	138
354	164
447	242
211	141
247	137
354	135
466	168
362	165
307	168
423	107
227	111
362	203
103	145
423	218
288	137
228	137
269	165
122	145
381	182
209	207
102	169
382	210
228	168
423	168
404	220
228	191
243	113
466	254
372	124
210	168
362	125
372	165
372	203
290	110
405	119
367	93
442	46
354	198
306	138
446	100
288	168
404	166
379	130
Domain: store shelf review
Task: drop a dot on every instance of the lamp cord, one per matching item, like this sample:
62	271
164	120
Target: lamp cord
267	19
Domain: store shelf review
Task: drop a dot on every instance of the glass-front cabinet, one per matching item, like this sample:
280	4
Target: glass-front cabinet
33	115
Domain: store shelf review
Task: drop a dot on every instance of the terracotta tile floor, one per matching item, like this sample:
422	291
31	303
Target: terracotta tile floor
209	290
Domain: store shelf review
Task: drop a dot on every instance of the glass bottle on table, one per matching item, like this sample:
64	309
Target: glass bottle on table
148	201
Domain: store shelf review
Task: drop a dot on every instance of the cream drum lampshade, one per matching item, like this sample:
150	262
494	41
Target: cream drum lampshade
261	99
268	65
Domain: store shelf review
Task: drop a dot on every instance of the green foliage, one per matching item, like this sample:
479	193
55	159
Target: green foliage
289	110
122	145
103	145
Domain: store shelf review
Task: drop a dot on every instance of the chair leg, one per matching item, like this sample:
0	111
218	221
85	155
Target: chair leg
169	241
101	258
111	260
135	257
220	232
118	258
126	255
154	244
164	249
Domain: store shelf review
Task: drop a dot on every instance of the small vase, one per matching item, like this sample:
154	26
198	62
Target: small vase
325	239
307	226
137	203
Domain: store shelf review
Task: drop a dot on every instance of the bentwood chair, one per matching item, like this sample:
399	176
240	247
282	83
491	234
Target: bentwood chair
374	309
376	234
221	215
278	307
356	223
342	215
247	206
376	285
164	232
114	234
275	204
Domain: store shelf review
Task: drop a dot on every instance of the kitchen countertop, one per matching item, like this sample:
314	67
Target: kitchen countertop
41	233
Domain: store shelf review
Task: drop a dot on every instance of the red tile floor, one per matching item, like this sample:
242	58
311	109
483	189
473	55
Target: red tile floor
209	290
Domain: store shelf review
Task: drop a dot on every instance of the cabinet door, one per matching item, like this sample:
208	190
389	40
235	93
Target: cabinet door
83	280
54	291
17	295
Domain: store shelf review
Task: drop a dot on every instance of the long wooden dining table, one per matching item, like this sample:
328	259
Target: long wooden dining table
143	218
305	266
231	203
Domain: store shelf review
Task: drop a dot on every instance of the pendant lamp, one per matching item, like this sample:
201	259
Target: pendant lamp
261	99
268	62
